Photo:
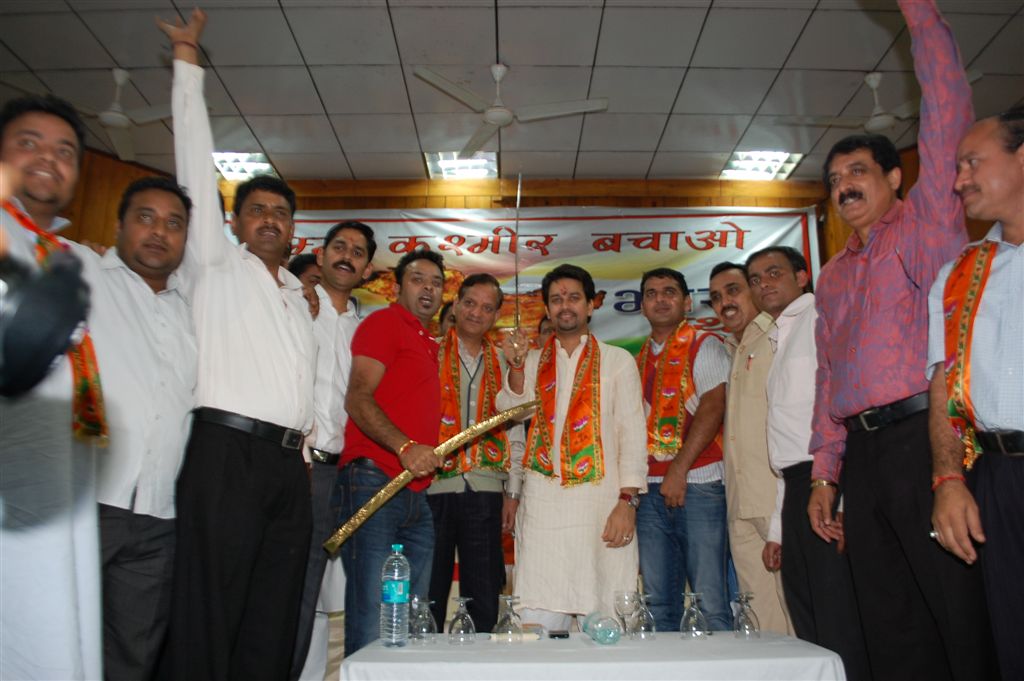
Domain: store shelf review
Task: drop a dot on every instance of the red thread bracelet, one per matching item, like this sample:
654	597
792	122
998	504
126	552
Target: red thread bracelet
939	479
186	42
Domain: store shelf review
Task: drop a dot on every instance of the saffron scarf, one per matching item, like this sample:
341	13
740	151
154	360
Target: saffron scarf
673	387
582	457
88	414
491	449
960	301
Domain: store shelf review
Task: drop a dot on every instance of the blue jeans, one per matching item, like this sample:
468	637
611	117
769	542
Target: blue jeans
688	544
404	519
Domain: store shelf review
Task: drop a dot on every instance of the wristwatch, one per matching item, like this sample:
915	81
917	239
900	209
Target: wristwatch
631	499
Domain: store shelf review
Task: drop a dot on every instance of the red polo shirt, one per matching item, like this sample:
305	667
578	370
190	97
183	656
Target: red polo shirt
409	392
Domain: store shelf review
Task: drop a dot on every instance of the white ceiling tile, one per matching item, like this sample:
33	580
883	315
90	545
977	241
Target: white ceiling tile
32	6
723	91
833	135
93	88
548	36
567	3
155	86
811	93
845	40
995	94
120	32
680	164
426	98
556	134
384	166
703	133
231	133
449	132
909	138
764	135
613	164
152	138
860	5
637	90
95	137
622	132
972	33
542	84
21	83
8	62
980	6
361	89
895	89
648	36
753	38
769	4
162	162
106	5
334	3
809	168
312	166
271	90
376	132
344	35
1006	52
236	3
249	37
294	134
537	164
53	41
444	35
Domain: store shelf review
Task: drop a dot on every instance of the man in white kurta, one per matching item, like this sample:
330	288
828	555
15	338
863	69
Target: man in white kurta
574	536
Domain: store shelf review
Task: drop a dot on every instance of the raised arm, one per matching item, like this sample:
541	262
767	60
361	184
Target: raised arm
193	143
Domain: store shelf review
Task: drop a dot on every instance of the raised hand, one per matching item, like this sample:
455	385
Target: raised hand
184	33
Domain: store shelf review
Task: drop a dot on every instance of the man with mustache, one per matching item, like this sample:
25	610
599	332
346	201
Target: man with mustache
467	496
681	521
816	576
925	608
244	514
393	404
343	263
750	486
574	544
976	354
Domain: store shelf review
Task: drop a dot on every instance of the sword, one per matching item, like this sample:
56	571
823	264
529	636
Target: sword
389	490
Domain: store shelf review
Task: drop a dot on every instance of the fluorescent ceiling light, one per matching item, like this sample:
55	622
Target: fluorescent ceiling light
238	166
760	165
446	165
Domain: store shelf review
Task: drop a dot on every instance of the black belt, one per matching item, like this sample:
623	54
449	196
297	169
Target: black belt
880	417
286	437
1009	442
320	456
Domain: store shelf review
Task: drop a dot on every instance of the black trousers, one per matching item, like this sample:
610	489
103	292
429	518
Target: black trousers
243	536
817	581
323	476
923	609
471	522
999	489
138	560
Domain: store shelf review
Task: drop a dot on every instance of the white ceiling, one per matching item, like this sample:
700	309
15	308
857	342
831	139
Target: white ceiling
325	87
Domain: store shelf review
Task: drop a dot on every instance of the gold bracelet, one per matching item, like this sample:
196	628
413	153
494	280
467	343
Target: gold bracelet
823	483
408	443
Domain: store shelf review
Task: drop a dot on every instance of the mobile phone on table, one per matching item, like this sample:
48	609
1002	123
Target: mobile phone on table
558	633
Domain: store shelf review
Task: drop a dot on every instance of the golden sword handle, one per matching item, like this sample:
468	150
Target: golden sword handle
389	490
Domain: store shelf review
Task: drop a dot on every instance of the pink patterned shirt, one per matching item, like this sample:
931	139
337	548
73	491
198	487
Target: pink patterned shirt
872	299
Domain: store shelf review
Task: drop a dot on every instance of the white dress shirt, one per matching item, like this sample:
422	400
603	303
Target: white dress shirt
146	353
257	356
333	333
790	395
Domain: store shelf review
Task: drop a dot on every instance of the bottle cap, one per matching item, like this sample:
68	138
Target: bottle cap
396	548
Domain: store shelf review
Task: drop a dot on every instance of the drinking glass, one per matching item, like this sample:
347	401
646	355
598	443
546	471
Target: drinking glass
643	621
461	630
509	628
746	624
694	624
422	626
602	629
625	606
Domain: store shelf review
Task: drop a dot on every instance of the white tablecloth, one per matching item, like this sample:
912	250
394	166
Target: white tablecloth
721	656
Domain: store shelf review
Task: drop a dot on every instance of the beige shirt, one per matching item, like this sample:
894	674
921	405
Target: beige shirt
750	485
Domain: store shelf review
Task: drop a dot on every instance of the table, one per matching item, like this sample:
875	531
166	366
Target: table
721	656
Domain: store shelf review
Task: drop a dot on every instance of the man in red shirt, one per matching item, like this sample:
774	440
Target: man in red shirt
394	406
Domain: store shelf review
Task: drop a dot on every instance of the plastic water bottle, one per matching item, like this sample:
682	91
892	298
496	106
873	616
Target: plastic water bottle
394	598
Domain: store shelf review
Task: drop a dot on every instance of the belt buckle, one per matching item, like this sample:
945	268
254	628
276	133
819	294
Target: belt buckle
292	439
863	422
318	455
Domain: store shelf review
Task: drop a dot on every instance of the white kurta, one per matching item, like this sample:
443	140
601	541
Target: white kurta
561	563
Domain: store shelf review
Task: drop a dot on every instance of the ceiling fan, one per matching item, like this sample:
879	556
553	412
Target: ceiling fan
880	119
115	119
496	115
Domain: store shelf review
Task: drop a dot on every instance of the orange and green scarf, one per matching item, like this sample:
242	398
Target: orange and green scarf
491	449
582	457
960	301
88	422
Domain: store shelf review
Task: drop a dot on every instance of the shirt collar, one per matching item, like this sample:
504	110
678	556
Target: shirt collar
327	304
853	243
57	225
408	317
112	260
797	307
996	234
